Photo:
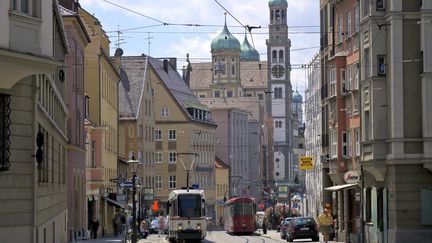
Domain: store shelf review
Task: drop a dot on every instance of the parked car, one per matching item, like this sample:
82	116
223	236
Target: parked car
302	228
284	226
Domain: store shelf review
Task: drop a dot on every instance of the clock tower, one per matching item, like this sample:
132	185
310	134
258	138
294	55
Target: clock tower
280	91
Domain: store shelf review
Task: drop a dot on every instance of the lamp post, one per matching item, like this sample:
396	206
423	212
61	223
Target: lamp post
133	167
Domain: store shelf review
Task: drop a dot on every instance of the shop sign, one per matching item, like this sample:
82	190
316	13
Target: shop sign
306	163
352	177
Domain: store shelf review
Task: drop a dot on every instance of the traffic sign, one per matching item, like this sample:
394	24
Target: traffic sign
126	184
306	163
195	186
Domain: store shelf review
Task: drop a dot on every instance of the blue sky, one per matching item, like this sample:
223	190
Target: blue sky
177	40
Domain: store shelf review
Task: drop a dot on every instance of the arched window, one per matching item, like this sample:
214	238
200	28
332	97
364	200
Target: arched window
281	56
271	16
277	15
283	15
274	56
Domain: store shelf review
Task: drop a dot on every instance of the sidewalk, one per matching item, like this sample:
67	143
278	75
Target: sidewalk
112	239
272	234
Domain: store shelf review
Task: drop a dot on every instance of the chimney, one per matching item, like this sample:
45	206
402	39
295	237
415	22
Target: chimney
173	62
165	65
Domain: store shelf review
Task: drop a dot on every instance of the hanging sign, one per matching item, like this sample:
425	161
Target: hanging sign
306	163
352	177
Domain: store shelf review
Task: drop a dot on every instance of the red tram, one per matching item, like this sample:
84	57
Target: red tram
239	215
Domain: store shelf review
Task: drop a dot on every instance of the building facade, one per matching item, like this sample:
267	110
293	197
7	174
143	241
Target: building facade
33	123
222	186
396	111
76	155
101	87
340	112
137	123
314	177
184	136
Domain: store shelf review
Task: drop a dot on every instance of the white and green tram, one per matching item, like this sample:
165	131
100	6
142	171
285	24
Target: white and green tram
186	215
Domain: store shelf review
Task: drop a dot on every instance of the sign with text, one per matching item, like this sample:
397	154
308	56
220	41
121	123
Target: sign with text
148	193
283	191
306	163
352	177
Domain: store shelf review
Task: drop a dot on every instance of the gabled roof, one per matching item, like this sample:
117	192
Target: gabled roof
133	70
253	74
178	88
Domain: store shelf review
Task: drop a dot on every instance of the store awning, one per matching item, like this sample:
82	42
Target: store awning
340	187
114	202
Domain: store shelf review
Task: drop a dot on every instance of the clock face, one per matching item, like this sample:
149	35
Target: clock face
278	71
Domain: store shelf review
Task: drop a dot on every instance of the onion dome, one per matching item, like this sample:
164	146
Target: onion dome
297	98
225	41
247	52
273	3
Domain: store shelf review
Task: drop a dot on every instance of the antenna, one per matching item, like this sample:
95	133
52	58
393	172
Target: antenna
148	42
119	37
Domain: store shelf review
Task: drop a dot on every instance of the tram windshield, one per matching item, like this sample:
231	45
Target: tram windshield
242	209
189	205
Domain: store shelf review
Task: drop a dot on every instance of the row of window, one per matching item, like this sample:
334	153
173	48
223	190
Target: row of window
50	101
52	168
348	30
172	181
27	7
350	143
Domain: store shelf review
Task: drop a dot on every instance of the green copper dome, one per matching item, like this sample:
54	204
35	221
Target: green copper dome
225	41
273	3
247	52
297	98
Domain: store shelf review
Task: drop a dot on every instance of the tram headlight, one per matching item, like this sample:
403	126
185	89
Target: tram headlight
198	227
180	226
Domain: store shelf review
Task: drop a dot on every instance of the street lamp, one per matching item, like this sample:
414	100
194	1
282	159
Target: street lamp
133	167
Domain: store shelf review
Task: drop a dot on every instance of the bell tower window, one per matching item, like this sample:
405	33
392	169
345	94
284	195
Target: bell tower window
281	56
274	56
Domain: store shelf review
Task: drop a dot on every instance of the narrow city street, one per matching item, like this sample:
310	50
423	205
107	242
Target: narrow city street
219	236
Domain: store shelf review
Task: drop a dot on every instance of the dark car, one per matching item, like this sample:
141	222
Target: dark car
302	228
283	227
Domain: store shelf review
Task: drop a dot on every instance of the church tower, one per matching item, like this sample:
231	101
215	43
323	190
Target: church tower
225	49
279	85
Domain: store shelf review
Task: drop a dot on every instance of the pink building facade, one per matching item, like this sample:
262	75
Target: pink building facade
77	38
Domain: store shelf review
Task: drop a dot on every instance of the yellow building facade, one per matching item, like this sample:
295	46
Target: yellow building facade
183	125
222	189
101	87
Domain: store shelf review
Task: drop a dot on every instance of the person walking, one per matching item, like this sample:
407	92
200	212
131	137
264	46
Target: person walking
161	229
325	221
94	227
144	228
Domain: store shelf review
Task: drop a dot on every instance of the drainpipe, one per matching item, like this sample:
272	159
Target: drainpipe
362	229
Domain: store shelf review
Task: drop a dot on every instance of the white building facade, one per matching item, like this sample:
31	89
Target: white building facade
33	117
314	185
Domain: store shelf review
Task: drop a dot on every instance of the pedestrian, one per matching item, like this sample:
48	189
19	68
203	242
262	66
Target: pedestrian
94	227
264	225
144	229
116	222
325	221
161	229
